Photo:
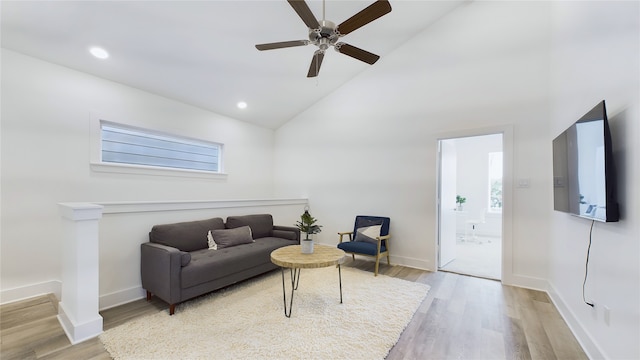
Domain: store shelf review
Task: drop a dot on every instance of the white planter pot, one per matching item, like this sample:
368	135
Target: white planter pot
307	246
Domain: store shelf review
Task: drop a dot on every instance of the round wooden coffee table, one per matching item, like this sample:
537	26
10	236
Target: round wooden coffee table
292	257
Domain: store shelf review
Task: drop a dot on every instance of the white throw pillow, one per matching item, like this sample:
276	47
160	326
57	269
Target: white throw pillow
368	234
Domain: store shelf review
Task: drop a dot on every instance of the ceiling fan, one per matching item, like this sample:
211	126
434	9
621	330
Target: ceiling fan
326	33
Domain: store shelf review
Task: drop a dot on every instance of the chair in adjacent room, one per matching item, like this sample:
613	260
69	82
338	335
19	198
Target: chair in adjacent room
369	238
474	222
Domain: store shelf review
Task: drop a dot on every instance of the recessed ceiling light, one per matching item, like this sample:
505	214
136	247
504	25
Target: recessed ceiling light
99	52
241	105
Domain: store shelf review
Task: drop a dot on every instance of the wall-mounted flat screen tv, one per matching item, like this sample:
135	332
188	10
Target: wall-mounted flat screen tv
584	181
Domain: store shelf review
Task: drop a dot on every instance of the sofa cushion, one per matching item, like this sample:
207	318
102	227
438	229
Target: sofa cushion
232	237
211	242
360	247
185	236
261	225
207	265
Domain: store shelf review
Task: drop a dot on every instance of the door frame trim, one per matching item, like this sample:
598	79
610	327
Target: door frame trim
507	276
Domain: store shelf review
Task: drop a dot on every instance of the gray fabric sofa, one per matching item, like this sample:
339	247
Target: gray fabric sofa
177	263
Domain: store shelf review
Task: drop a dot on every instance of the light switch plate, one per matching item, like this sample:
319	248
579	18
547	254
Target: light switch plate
524	183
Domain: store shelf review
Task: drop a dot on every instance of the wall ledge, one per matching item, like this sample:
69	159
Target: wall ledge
80	211
150	206
102	167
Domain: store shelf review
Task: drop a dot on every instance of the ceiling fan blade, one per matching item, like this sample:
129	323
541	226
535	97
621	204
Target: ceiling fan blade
283	44
305	13
356	53
367	15
316	62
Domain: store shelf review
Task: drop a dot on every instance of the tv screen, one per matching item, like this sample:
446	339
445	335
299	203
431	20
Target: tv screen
584	182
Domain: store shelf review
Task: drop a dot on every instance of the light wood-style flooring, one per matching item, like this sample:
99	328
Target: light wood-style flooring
462	317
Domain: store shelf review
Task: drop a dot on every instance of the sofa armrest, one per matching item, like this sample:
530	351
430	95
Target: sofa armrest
160	268
293	229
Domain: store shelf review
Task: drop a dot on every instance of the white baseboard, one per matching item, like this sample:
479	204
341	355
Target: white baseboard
125	296
78	332
25	292
526	282
55	287
122	297
411	262
114	299
590	347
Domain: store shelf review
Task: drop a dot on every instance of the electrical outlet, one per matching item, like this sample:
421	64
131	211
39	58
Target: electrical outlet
607	315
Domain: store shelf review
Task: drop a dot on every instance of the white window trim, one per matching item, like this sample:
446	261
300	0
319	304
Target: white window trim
97	165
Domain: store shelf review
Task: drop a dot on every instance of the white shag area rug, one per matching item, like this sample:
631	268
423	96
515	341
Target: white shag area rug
247	321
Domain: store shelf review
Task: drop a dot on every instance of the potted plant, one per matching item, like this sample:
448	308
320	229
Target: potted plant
459	201
307	224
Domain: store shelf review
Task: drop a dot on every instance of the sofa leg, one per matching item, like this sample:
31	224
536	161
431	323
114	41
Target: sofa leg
148	296
172	309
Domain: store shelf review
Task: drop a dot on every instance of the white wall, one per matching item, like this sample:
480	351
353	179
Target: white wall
596	56
370	147
46	114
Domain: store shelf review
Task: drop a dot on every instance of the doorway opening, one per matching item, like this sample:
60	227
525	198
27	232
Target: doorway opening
470	206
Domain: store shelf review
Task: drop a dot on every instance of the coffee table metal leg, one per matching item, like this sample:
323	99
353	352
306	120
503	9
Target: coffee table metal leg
298	279
295	280
340	277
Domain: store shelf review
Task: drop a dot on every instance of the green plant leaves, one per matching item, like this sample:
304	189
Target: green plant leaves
307	224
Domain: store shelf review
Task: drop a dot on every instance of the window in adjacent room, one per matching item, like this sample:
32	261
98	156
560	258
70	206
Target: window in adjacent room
495	181
135	146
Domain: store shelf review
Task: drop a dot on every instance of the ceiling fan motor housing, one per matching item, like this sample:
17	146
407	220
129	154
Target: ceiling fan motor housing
325	35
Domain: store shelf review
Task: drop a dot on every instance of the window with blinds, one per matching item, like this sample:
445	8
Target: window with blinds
134	146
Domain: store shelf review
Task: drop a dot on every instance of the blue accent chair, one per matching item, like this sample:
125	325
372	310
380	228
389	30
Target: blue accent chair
373	247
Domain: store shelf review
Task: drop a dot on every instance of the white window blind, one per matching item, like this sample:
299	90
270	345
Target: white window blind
125	145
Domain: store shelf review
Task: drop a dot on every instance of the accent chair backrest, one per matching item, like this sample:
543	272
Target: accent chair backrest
366	220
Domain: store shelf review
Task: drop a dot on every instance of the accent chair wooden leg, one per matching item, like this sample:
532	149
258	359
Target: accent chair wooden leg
375	273
148	296
172	309
388	260
353	256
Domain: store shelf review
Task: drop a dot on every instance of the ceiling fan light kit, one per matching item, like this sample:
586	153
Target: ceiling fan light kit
324	34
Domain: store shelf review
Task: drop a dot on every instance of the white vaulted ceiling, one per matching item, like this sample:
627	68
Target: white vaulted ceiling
202	52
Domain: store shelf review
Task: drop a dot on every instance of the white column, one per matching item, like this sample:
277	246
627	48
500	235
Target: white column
78	308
